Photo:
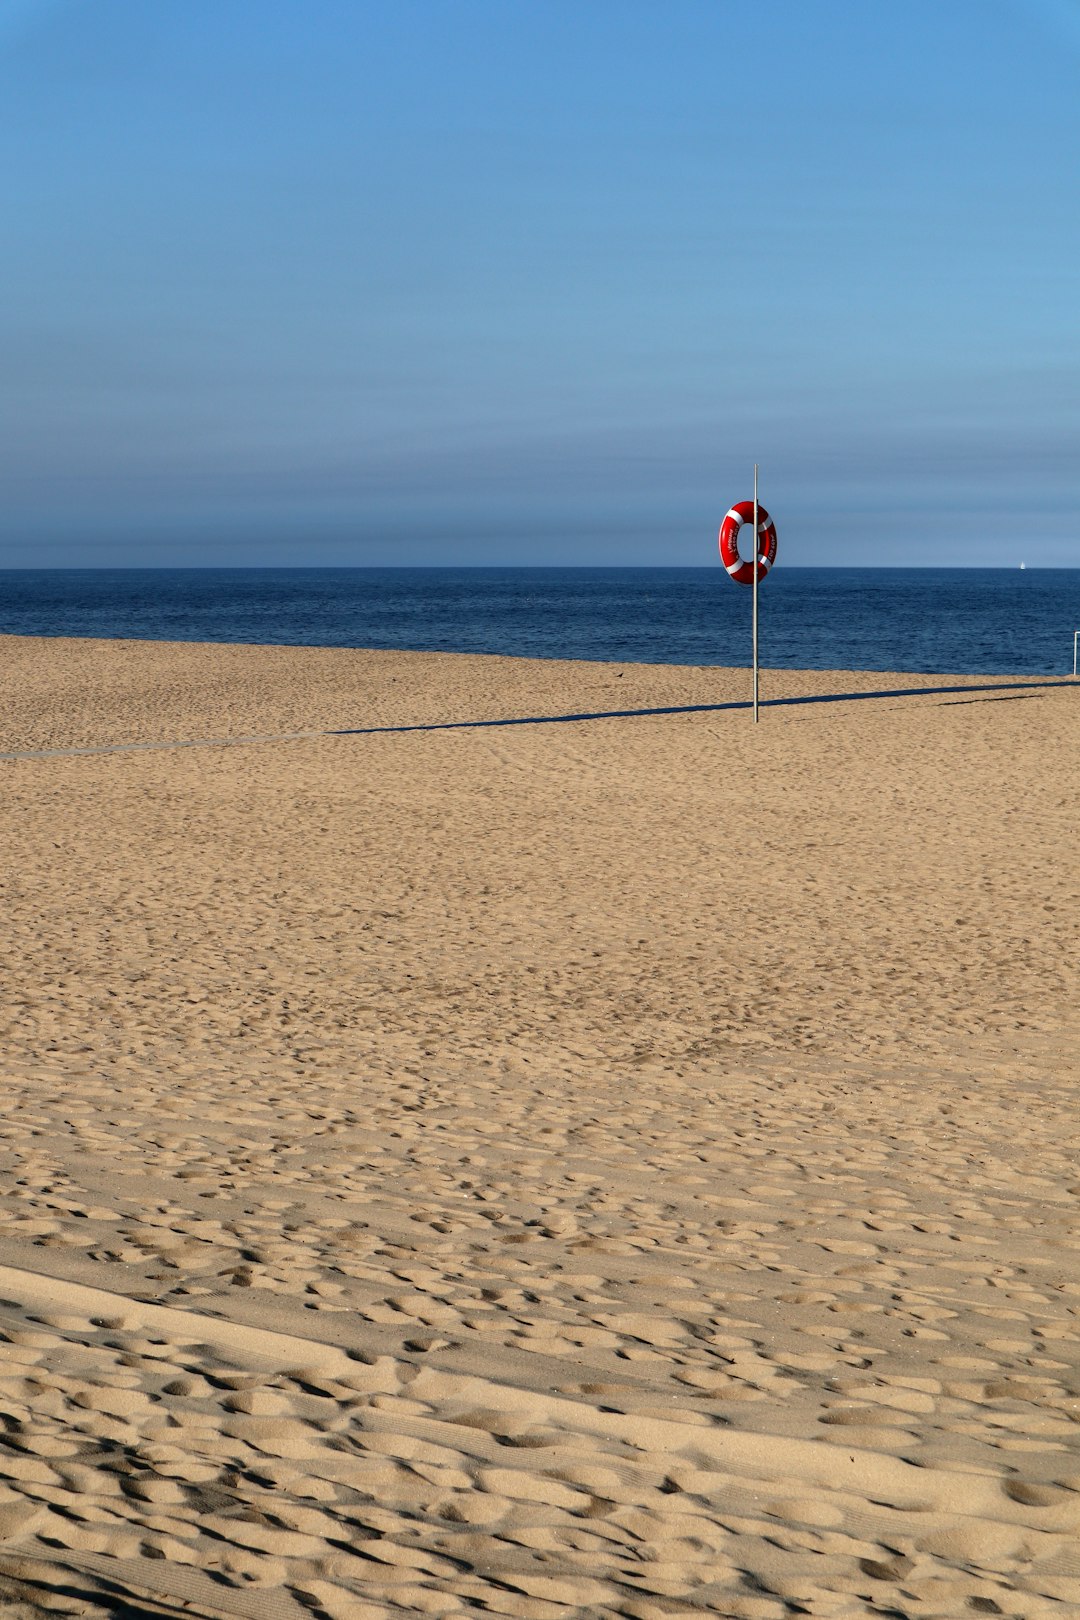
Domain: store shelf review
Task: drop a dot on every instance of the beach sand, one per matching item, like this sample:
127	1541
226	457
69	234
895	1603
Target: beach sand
619	1167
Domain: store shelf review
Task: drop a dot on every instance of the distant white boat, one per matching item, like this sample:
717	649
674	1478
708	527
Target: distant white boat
1023	565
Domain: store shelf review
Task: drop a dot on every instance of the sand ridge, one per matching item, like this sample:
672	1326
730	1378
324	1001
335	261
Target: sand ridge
662	1132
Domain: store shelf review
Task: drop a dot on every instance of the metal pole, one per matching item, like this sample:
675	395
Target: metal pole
1076	638
755	555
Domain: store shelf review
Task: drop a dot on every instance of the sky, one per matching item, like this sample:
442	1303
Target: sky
351	282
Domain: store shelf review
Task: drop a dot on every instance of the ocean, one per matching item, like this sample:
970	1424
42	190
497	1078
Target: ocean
977	621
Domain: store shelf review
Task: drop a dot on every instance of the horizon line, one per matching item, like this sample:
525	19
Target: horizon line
337	568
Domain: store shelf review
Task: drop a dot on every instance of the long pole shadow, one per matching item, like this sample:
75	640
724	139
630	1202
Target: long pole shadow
1025	688
691	708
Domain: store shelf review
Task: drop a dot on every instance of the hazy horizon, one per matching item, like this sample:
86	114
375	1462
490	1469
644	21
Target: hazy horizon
465	284
160	567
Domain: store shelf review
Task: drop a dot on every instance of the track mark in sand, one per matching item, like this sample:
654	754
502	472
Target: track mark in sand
41	1292
1015	697
158	747
199	1467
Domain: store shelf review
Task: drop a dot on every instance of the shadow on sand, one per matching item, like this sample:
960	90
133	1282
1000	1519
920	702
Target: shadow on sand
1027	689
702	708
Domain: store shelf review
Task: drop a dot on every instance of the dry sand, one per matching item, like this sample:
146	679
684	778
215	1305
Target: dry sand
625	1167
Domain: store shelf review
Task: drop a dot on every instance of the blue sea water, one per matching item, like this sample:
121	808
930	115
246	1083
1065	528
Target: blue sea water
957	621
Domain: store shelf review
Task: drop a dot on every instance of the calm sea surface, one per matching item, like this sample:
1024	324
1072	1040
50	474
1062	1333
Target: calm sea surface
972	621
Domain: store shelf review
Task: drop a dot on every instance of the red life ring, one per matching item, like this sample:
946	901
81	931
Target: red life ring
743	572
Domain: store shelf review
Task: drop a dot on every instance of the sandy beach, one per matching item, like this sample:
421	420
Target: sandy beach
611	1166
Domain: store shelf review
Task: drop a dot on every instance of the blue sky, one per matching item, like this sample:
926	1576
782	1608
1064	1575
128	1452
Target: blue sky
528	281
